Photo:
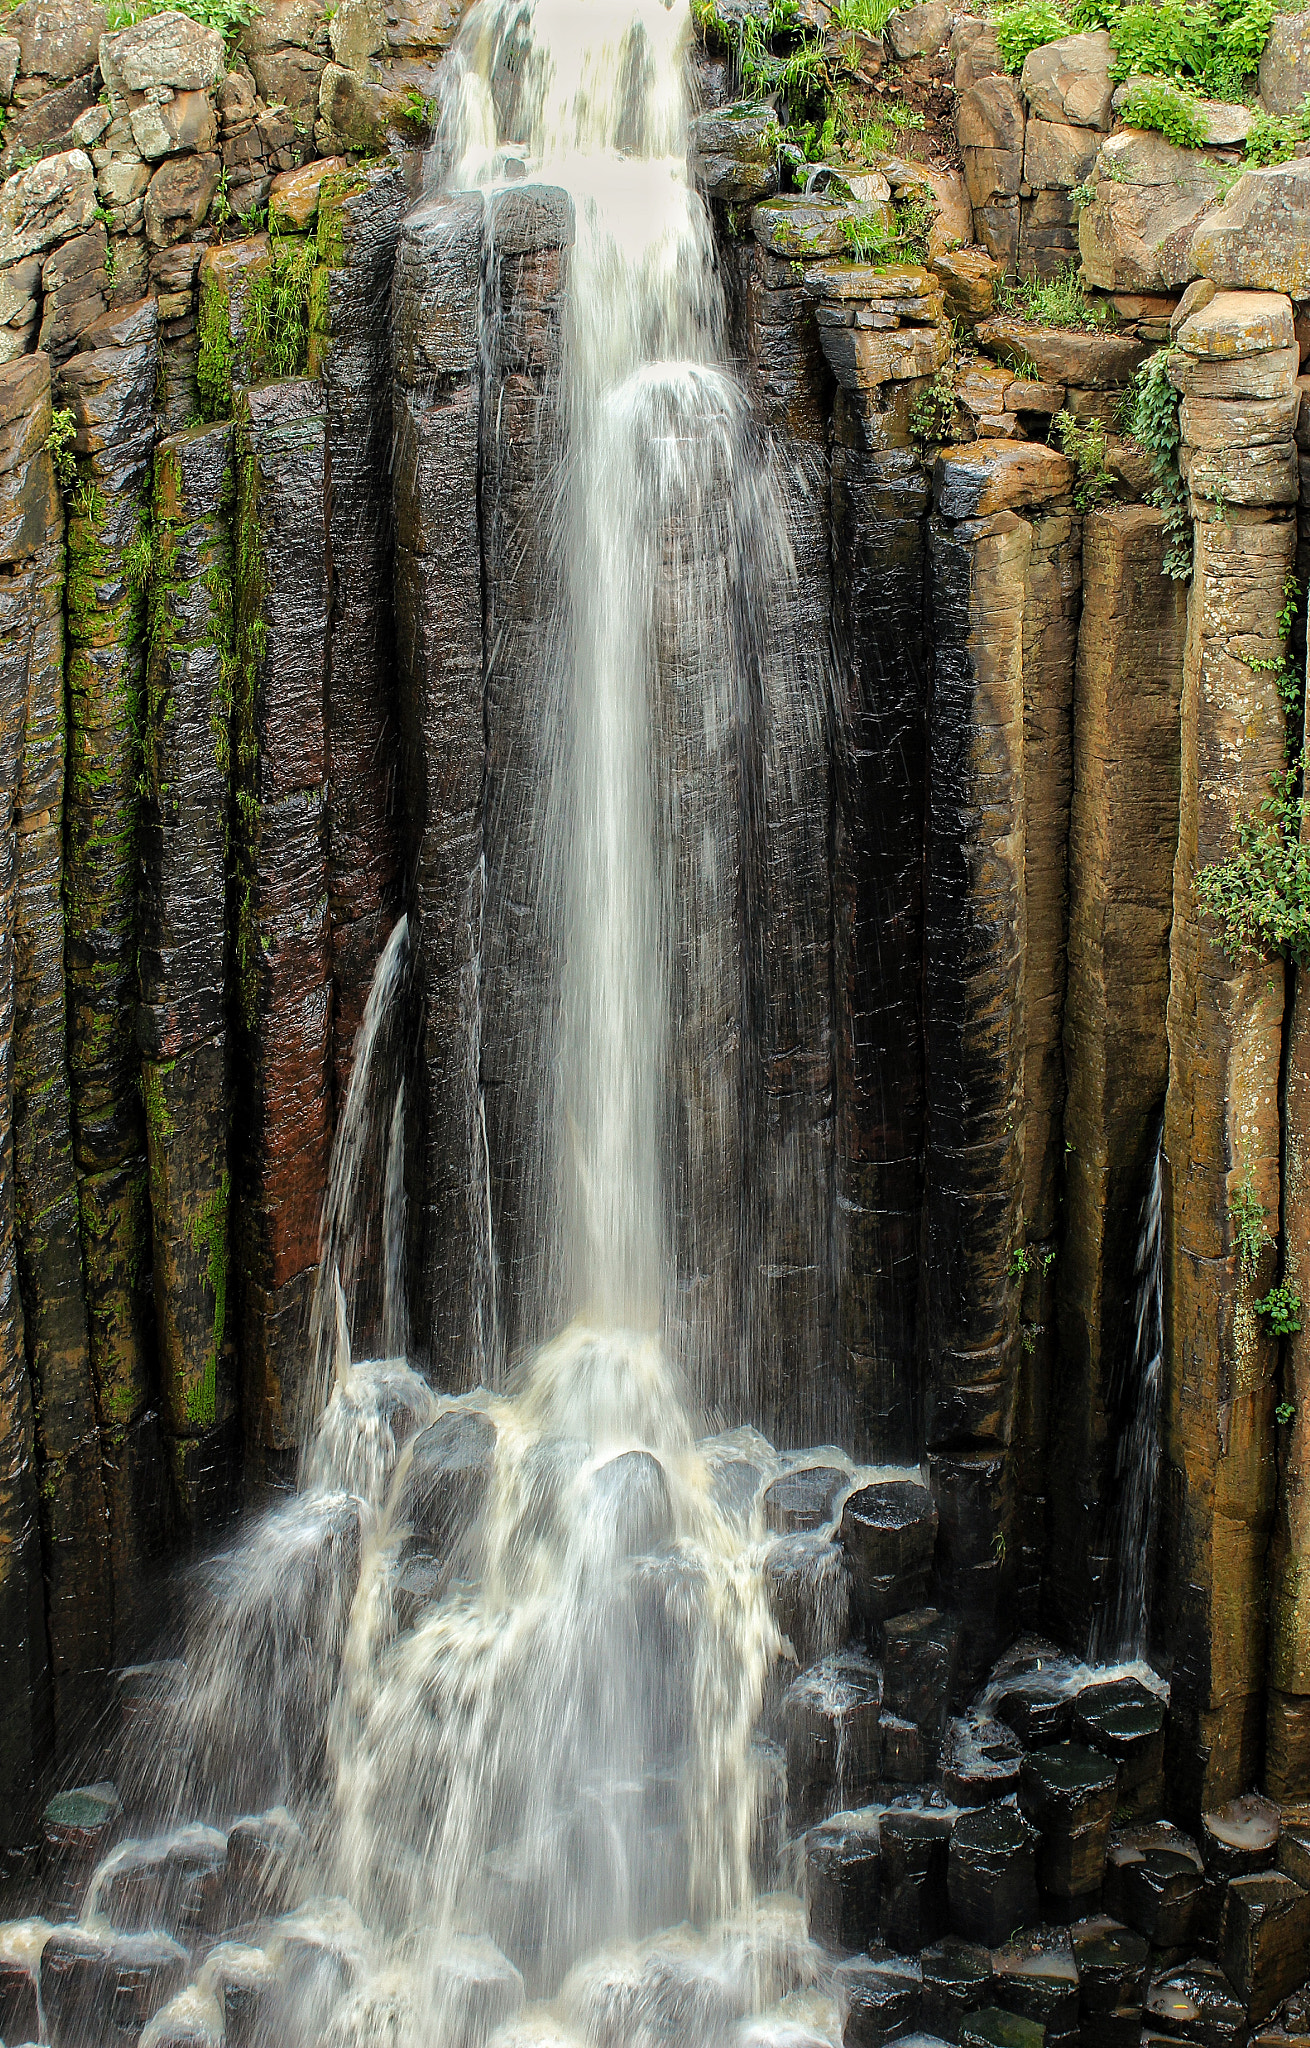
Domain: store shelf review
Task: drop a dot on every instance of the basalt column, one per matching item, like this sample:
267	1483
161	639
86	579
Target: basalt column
436	398
529	234
880	675
182	1022
110	388
31	528
1236	360
74	1522
789	889
283	965
1123	834
975	920
358	227
1052	598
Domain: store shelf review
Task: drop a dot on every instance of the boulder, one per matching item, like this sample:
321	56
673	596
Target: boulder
421	28
1256	241
1154	1882
1215	423
293	196
804	1500
1112	1963
734	154
1057	155
915	1854
834	1748
989	125
1091	360
1241	1837
357	32
1196	2002
889	1532
279	23
981	1758
1285	64
163	50
56	41
450	1471
358	113
1270	375
1224	123
1069	80
877	1999
11	51
1037	1979
957	1980
46	204
920	1651
842	1864
186	121
919	31
1264	1941
1232	324
292	80
970	482
969	278
1137	233
807	1579
1068	1792
179	198
805	229
1125	1721
975	53
992	1875
629	1497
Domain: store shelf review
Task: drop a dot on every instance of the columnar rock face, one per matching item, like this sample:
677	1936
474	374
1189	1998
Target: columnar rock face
358	227
973	1020
182	1022
530	232
880	681
1221	1140
74	1526
30	551
1287	1731
110	388
283	967
439	603
1122	839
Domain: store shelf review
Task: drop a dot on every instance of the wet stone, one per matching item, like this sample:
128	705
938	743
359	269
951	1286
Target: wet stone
150	1701
77	1829
20	1963
1037	1706
980	1760
97	1988
808	1582
904	1752
992	2027
957	1980
1240	1837
1112	1962
174	1882
889	1533
769	1818
834	1746
1197	2003
801	1502
263	1854
842	1864
919	1652
630	1495
1036	1977
450	1471
992	1876
1154	1880
915	1857
419	1583
1125	1720
1069	1793
878	1998
1264	1942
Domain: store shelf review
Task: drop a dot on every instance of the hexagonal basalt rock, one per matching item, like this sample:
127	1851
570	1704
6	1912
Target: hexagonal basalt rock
889	1531
1257	241
734	154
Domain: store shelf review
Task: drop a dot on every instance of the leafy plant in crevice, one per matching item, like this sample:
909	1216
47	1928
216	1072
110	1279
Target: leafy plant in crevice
1285	1413
1085	444
229	17
871	238
1260	895
59	442
932	415
1250	1230
1273	138
1151	418
1169	111
277	310
1053	302
1281	1308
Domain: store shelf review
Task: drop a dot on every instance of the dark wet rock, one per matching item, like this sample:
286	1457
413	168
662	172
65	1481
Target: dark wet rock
151	1700
888	1531
1196	2003
769	1814
1240	1837
992	2027
957	1980
77	1829
803	1501
992	1876
734	154
420	1581
359	213
877	1998
245	1987
1264	1940
842	1864
264	1851
735	1486
980	1760
94	1986
1035	1977
1154	1880
1037	1705
1112	1962
834	1747
1125	1721
919	1652
915	1854
175	1882
629	1495
808	1581
1294	1851
451	1466
19	1974
904	1753
1068	1792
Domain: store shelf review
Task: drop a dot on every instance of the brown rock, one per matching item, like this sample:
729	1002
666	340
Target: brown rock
1027	394
974	50
1229	324
56	41
1137	233
989	126
969	277
1265	1939
969	483
293	197
294	79
1101	361
1264	376
1256	239
45	204
1285	64
300	23
1069	80
1055	154
179	198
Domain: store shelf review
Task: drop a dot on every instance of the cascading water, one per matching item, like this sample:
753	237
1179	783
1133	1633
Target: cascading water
1120	1625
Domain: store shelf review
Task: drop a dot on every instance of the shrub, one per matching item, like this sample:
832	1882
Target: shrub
1084	442
1260	897
933	413
1026	26
1273	137
1250	1232
59	441
229	17
1052	302
1151	417
1282	1307
1214	44
870	15
1172	113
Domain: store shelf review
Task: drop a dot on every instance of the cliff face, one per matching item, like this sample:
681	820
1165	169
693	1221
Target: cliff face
273	598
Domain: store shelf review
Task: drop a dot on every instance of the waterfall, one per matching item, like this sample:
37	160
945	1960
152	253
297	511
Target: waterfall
1120	1625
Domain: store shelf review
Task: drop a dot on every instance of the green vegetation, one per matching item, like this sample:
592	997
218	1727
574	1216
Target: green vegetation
1282	1307
1260	897
1151	417
1284	1413
1026	26
209	1235
1212	47
1084	442
420	111
229	17
932	415
1250	1231
1273	137
870	15
1053	302
872	237
1172	113
214	360
277	311
59	441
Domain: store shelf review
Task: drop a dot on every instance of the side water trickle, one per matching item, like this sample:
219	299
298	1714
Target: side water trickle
1121	1625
